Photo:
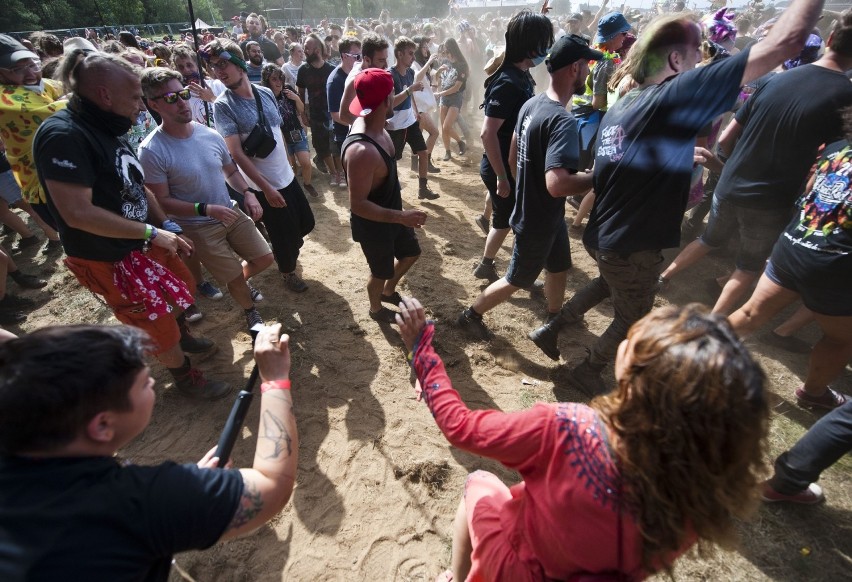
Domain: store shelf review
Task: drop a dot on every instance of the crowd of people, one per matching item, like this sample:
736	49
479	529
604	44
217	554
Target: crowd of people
145	162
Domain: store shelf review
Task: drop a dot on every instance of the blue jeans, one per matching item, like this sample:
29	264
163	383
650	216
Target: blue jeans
827	440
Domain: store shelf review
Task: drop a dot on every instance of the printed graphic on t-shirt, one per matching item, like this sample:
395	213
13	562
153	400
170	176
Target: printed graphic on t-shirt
827	208
134	204
522	141
611	140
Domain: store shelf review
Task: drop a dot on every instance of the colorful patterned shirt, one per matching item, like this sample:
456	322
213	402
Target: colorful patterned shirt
22	111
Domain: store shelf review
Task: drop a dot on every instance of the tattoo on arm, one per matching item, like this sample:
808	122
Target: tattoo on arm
273	430
250	505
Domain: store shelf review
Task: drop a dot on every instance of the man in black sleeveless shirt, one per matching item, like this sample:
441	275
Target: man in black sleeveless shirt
384	230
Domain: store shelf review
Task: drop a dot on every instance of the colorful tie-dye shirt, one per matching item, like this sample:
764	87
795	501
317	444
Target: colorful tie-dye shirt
22	111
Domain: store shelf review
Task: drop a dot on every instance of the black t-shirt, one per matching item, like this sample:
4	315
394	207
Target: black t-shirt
644	157
269	48
547	139
313	80
784	123
503	100
74	147
389	195
88	518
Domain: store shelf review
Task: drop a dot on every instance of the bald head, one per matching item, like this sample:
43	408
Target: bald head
109	82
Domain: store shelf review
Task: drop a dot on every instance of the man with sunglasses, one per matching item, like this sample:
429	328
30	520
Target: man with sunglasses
28	101
181	159
286	212
118	241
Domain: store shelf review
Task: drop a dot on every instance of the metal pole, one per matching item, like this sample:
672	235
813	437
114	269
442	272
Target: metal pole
198	57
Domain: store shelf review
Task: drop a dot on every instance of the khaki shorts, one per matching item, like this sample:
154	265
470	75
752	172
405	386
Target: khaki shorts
215	245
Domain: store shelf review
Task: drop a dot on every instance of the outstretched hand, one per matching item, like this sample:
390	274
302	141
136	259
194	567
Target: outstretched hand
411	319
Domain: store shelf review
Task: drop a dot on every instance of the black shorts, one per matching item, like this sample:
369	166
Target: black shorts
411	135
321	139
535	252
381	254
502	207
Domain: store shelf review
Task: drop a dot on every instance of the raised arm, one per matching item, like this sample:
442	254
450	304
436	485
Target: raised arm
267	486
785	40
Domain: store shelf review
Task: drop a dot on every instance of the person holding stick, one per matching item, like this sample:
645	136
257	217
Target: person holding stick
70	398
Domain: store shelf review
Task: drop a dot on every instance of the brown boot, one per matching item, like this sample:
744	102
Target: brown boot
191	382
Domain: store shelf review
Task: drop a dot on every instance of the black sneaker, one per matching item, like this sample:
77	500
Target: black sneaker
472	323
547	339
191	382
486	271
483	224
52	247
9	314
383	315
27	281
253	318
426	194
587	379
196	345
320	165
16	302
294	283
25	242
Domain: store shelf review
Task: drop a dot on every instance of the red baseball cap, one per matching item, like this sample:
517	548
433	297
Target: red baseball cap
372	86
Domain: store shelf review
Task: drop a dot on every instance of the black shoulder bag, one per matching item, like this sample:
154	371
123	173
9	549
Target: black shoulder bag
259	142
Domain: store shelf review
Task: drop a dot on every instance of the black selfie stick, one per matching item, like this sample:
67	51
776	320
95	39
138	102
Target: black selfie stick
238	413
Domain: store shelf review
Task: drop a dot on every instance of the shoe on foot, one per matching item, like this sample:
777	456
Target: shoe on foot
320	165
383	315
829	400
27	281
462	148
811	495
576	230
196	345
447	156
426	194
432	168
192	383
17	302
547	338
486	271
52	246
312	192
9	314
587	379
394	298
786	342
256	295
537	290
192	313
209	290
253	318
482	223
26	242
294	283
472	323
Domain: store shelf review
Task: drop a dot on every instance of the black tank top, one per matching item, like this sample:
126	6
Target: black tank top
388	195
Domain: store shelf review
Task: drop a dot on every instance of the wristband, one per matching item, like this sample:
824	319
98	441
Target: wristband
153	234
274	385
202	209
502	177
172	226
197	209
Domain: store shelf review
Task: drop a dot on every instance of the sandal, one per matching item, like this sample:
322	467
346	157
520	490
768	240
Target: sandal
394	298
829	400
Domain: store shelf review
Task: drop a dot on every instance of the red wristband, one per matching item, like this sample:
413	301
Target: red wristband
274	385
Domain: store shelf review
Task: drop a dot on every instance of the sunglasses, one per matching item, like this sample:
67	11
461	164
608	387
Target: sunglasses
172	96
356	56
35	67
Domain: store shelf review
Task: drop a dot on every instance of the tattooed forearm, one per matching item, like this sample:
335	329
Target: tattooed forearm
272	429
250	505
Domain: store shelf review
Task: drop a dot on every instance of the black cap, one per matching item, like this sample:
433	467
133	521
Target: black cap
568	50
11	51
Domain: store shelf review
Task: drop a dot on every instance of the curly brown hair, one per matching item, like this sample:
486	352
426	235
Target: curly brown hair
689	421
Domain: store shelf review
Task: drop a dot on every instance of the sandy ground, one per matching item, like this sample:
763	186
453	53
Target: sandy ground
378	484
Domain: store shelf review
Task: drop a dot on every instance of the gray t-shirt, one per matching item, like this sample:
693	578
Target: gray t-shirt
235	115
192	167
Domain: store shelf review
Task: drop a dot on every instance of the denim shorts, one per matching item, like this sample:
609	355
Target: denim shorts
453	100
758	230
9	189
299	146
532	253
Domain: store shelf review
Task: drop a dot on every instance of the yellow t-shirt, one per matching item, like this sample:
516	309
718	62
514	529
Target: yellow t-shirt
22	111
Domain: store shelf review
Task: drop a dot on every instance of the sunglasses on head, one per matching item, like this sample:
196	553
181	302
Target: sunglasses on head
172	96
356	56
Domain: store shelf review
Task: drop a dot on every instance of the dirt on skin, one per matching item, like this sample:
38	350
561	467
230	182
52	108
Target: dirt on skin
378	485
